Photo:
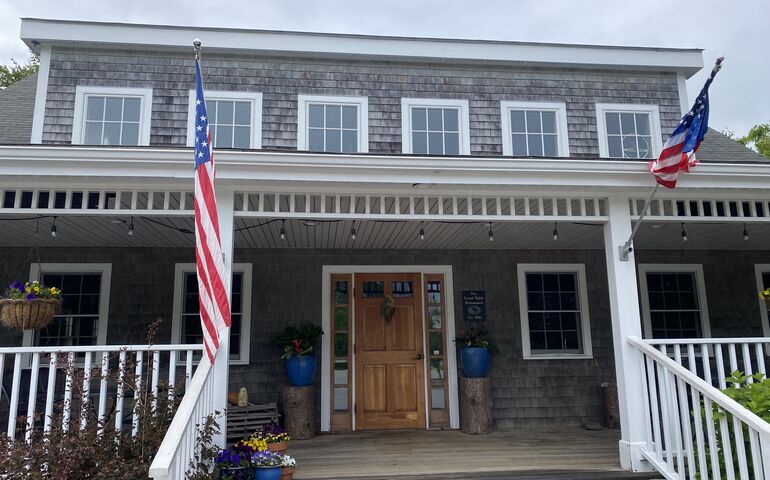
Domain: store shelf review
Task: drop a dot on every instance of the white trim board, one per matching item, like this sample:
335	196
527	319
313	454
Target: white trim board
463	120
562	132
246	269
41	95
256	113
601	126
303	103
695	268
453	402
759	269
104	269
585	321
145	113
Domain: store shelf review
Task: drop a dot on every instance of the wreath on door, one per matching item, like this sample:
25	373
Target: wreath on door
388	308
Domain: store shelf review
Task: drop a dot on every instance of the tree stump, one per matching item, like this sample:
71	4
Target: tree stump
475	405
299	412
611	406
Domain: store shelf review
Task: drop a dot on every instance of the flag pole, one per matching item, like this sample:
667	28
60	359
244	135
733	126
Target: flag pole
197	47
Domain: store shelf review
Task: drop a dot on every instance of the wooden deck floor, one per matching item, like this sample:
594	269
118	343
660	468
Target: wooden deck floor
563	453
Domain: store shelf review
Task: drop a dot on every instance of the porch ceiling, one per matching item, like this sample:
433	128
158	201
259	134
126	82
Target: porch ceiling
104	231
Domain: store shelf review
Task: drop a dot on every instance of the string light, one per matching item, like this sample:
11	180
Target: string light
422	231
53	228
131	228
491	233
555	231
745	233
353	231
283	229
684	234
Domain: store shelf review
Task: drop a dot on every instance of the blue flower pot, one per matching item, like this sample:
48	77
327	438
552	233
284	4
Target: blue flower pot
475	361
267	473
301	370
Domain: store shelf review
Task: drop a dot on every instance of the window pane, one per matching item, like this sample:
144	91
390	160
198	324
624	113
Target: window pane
451	144
114	109
629	147
437	397
93	134
316	116
435	143
333	113
349	117
340	344
131	109
517	121
211	110
549	122
533	122
615	147
645	147
627	123
340	398
95	109
242	137
349	141
418	119
341	292
315	139
243	113
225	112
435	121
130	134
224	138
111	133
341	318
535	147
451	123
613	123
643	123
341	373
419	142
435	343
519	144
333	141
550	148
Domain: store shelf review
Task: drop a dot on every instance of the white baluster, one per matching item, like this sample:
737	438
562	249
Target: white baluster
51	388
719	359
103	391
188	370
32	399
733	357
86	400
654	394
172	359
695	398
748	369
740	449
155	374
120	393
137	393
764	445
646	403
2	369
759	351
65	423
665	414
727	452
684	418
14	406
756	454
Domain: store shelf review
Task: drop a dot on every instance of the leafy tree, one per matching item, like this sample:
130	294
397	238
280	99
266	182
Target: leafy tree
758	139
10	74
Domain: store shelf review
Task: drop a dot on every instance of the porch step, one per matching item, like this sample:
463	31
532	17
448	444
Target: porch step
531	475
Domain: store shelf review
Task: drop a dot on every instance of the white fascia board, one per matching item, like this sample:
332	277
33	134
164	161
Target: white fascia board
240	169
104	34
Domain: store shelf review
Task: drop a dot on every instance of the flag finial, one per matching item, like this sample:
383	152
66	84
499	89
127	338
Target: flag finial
197	46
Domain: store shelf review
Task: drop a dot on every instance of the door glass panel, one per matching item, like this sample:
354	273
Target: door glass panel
437	397
402	289
340	344
341	293
436	347
341	373
340	318
435	317
373	289
434	292
436	369
340	398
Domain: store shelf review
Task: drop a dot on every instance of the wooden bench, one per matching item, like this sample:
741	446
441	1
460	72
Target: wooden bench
243	421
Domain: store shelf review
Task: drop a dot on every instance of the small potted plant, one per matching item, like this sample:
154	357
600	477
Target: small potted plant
276	437
474	351
298	351
234	463
288	465
29	306
267	465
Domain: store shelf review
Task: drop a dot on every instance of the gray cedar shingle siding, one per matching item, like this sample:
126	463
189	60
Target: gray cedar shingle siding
17	104
384	83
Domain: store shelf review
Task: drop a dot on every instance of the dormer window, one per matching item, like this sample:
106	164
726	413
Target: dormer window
628	131
534	129
112	116
435	127
235	119
332	124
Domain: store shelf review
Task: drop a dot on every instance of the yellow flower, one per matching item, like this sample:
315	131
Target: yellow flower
256	444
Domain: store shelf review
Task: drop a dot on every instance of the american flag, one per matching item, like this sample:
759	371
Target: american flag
679	151
212	290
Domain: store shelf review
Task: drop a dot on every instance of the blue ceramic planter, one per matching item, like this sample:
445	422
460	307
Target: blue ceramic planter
301	370
267	473
475	361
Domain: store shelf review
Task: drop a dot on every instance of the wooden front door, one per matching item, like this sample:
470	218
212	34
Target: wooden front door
390	373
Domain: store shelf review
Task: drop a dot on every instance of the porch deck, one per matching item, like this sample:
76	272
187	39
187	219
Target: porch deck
554	453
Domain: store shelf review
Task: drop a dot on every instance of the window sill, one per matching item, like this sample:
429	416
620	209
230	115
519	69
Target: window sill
559	356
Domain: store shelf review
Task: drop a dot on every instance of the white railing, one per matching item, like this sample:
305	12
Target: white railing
204	397
694	431
64	392
714	359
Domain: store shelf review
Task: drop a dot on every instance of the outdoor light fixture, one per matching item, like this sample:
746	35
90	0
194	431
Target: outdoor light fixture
283	229
555	231
491	234
745	233
131	228
353	231
422	231
684	234
53	228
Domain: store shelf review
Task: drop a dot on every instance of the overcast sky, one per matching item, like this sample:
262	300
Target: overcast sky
740	96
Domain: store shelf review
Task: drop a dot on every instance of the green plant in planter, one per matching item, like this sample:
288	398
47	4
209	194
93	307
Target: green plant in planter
298	341
475	338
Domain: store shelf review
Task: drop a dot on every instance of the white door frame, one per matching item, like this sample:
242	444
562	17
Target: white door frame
326	341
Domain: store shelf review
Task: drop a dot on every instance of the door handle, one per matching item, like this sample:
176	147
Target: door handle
419	356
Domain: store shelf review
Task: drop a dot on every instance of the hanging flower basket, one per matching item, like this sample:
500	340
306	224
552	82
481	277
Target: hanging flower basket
29	315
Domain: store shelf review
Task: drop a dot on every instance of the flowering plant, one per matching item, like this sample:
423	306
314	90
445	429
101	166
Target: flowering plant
266	459
298	341
288	462
274	433
252	445
30	291
764	294
233	457
474	337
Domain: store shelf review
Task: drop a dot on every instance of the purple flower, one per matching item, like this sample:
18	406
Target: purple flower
29	297
18	286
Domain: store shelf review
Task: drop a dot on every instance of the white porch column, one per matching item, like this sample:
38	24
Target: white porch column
624	307
225	206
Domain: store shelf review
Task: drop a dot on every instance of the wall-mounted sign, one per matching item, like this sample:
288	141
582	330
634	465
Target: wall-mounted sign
474	306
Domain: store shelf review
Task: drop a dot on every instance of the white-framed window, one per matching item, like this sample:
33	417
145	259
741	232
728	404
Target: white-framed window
674	301
435	126
628	131
553	303
762	271
112	116
235	119
332	124
186	323
85	304
537	129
